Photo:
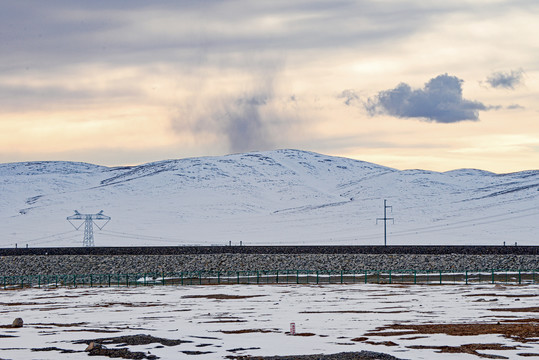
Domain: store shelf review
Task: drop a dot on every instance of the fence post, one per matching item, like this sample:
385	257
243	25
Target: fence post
365	276
317	276
519	277
440	277
39	281
341	277
415	276
258	277
390	276
493	276
466	277
297	276
75	280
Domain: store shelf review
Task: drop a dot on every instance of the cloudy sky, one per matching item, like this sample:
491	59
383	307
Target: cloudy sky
409	84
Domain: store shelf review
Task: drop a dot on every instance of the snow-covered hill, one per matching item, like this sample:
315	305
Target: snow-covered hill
276	197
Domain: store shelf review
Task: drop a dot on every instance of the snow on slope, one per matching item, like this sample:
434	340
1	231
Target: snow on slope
275	197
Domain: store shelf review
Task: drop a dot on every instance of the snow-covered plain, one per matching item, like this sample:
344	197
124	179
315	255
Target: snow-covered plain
255	319
277	197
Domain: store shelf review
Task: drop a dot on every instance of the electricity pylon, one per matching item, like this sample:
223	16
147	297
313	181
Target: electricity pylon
88	221
385	219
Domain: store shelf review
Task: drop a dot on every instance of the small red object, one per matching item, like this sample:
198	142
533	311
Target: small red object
292	328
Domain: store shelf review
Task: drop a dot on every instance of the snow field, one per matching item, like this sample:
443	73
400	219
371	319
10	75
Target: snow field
219	319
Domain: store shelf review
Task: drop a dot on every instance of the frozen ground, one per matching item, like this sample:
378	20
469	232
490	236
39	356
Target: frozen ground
218	321
276	197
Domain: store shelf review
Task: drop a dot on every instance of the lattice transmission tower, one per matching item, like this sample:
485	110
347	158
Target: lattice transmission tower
88	221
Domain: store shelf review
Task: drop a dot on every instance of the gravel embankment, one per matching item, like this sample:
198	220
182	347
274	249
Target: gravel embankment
113	264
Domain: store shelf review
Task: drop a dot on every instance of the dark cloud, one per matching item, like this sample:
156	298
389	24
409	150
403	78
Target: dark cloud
505	80
515	107
350	97
76	31
439	101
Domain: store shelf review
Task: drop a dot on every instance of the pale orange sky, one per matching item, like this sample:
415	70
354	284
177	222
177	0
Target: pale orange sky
113	84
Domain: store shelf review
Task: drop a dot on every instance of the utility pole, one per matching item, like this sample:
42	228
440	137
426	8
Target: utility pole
385	219
88	221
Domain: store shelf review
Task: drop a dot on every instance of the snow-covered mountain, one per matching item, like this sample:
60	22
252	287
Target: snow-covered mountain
276	197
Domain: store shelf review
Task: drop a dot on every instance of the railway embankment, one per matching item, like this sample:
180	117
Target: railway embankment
102	260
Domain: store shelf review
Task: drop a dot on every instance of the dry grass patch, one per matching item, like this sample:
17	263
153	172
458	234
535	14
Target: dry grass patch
524	330
468	349
527	309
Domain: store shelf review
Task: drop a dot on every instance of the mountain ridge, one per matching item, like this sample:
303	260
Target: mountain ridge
283	196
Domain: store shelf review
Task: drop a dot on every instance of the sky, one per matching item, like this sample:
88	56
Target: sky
435	85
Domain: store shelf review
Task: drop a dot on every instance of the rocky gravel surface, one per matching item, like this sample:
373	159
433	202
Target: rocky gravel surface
113	264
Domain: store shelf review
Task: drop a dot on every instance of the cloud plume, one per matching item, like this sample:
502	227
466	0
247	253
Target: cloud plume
250	119
505	80
439	101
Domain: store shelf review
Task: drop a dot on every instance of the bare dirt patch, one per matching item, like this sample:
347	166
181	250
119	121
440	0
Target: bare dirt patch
190	352
139	339
243	349
220	296
516	330
63	351
527	309
354	312
135	305
503	295
362	355
469	349
223	321
247	331
50	325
